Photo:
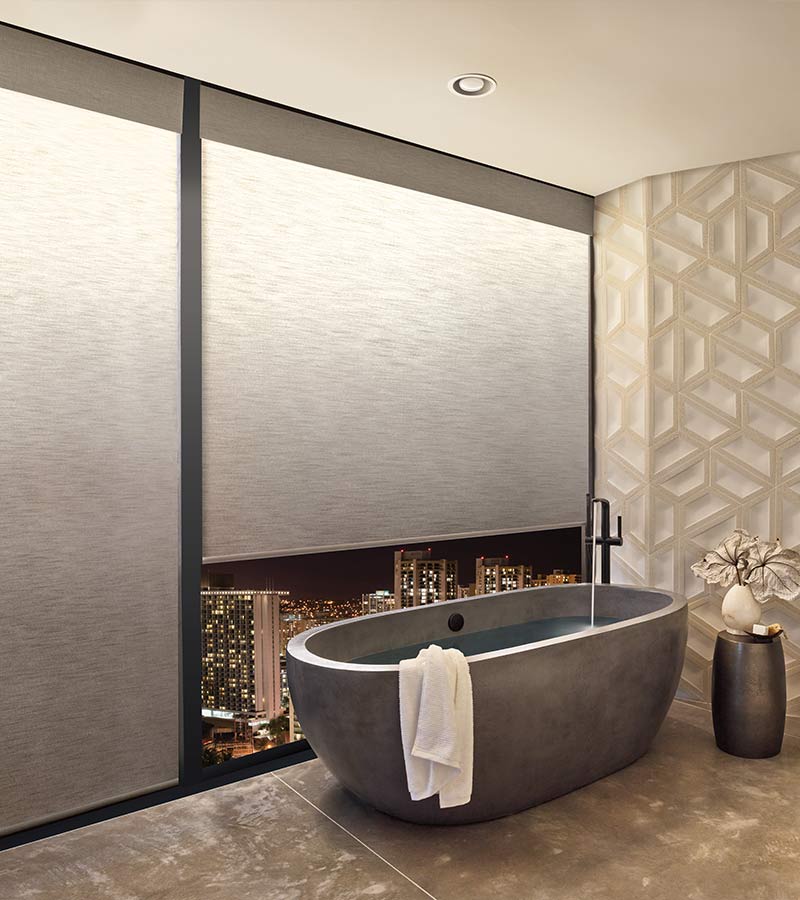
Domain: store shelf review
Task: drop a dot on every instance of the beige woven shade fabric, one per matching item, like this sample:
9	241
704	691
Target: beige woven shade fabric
89	450
382	364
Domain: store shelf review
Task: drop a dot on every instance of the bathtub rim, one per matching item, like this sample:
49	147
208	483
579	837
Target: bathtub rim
298	650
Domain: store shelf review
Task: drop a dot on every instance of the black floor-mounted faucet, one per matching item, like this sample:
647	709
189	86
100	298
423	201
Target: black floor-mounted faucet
604	540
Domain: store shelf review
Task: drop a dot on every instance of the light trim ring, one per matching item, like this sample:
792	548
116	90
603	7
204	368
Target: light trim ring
472	84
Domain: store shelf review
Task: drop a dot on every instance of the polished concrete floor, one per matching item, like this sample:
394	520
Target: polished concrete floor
687	821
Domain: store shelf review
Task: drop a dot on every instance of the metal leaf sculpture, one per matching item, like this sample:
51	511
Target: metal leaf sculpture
729	563
774	571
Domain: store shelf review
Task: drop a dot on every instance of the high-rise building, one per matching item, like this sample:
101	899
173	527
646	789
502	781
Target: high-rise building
559	576
419	580
240	641
377	602
496	574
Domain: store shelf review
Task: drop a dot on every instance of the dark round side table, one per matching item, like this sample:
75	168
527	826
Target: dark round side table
748	694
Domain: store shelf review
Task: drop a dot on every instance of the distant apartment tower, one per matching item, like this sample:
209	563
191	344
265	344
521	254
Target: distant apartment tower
420	580
240	642
377	602
559	576
497	573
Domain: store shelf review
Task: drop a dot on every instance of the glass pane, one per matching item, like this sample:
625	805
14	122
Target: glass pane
253	608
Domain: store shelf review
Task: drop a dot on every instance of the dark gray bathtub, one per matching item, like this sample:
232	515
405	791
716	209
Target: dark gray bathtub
549	717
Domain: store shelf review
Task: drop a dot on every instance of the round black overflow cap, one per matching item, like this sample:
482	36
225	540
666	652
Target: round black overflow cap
455	622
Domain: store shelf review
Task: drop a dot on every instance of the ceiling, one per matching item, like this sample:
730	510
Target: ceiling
591	93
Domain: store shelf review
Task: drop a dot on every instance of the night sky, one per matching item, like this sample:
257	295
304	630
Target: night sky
346	574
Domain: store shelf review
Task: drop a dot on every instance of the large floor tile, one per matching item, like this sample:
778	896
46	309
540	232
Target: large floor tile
253	840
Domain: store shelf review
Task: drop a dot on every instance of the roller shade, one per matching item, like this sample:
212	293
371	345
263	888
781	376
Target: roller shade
231	119
383	364
89	445
44	68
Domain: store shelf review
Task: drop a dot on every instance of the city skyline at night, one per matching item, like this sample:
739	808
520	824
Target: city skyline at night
341	576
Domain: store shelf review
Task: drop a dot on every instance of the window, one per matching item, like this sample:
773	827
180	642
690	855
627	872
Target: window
246	702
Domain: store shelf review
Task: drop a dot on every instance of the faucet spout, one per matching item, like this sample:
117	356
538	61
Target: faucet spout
605	540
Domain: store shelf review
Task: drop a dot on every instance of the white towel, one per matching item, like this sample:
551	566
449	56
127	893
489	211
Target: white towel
436	725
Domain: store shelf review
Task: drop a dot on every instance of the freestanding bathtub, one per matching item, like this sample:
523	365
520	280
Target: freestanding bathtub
549	717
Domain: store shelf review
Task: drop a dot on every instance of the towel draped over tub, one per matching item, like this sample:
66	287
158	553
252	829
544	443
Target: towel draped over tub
436	725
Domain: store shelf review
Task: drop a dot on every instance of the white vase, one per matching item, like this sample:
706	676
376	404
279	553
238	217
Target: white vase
740	610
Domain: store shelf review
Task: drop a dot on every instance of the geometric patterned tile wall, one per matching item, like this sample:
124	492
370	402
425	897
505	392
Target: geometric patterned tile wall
697	340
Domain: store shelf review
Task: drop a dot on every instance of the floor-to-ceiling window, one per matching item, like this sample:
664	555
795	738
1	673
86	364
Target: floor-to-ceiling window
394	361
389	372
89	423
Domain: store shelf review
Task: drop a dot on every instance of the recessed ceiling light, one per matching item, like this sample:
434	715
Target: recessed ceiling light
472	85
